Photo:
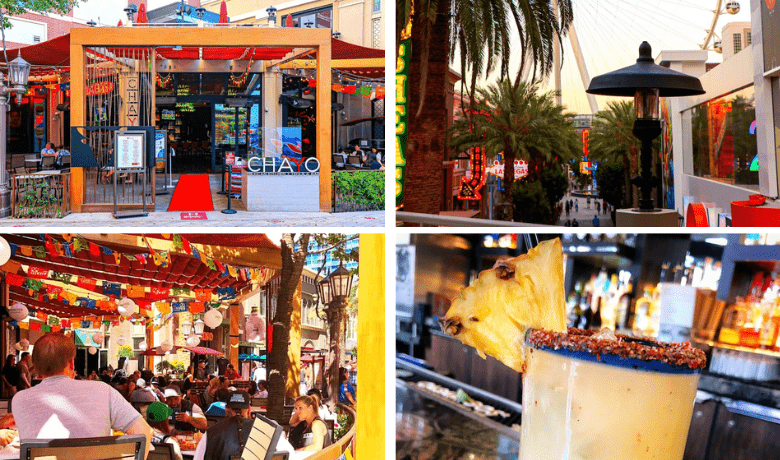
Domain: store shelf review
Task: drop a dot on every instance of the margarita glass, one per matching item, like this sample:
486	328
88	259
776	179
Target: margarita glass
585	397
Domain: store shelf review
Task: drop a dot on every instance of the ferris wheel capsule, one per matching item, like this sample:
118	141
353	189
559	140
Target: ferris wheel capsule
717	46
732	7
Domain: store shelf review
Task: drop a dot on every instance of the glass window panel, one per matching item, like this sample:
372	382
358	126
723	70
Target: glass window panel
213	83
724	140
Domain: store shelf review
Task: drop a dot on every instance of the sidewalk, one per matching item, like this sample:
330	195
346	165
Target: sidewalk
159	217
584	215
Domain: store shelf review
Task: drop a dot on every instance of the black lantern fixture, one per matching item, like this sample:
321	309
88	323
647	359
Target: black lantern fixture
130	12
200	11
271	16
340	282
646	82
324	290
91	23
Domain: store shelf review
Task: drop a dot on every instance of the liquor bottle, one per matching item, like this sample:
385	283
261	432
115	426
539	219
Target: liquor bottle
575	315
587	313
595	321
641	314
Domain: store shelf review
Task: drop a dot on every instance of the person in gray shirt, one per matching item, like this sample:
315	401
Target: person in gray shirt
142	393
61	407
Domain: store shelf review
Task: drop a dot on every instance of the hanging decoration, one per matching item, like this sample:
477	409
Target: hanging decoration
121	340
193	340
142	345
18	311
92	350
212	318
126	307
166	346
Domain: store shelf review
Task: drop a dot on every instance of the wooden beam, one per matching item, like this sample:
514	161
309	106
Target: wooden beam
77	118
200	37
378	63
371	346
236	314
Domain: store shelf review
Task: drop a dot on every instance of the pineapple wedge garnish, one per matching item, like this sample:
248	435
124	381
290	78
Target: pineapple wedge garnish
493	314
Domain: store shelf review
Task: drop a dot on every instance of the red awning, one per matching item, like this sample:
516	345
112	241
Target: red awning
56	52
203	351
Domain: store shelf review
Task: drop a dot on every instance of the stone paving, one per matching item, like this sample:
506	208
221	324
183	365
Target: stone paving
159	217
584	215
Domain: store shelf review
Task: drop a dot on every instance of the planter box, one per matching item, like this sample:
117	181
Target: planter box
40	195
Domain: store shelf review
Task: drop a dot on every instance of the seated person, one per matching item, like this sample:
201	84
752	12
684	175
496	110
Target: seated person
374	163
218	407
308	432
48	151
186	415
323	410
61	153
229	436
142	392
157	417
261	389
231	373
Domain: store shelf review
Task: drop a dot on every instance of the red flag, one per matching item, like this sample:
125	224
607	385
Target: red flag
38	273
35	326
94	249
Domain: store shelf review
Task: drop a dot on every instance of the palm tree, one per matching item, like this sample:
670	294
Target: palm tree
519	122
611	139
483	33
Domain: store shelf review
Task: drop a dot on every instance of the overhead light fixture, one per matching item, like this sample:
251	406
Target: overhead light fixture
719	241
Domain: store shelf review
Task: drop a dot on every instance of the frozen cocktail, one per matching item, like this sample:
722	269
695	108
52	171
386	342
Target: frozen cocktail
586	396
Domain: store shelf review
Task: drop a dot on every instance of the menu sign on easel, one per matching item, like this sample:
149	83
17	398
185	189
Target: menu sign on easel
130	150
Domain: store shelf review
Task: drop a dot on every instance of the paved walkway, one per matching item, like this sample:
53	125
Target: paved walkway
159	217
584	215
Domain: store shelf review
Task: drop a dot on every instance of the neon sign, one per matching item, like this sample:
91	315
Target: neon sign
469	187
401	104
99	88
585	139
497	169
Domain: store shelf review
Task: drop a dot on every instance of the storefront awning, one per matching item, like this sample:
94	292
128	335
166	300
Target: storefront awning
56	52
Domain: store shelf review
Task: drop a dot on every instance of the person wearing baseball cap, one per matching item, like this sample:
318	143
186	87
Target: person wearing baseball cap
187	416
157	415
228	437
142	393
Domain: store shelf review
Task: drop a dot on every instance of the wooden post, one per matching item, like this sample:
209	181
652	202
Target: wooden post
150	345
236	314
77	118
324	125
371	346
294	350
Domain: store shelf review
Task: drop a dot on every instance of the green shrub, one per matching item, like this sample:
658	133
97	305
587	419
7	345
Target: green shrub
531	204
359	191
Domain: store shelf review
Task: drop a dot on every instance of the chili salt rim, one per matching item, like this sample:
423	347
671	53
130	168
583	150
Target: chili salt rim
626	347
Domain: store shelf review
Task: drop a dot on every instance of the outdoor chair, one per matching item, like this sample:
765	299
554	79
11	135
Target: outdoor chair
162	451
128	447
354	160
47	163
352	168
65	162
281	456
259	402
287	413
20	170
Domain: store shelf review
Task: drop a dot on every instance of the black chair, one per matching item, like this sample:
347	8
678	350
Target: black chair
47	163
162	451
128	447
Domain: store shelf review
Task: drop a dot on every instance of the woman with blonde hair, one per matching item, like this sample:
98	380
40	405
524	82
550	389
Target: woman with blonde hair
211	391
308	432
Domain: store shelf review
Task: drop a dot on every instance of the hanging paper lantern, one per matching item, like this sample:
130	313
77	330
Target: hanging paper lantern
121	340
5	251
193	340
18	346
126	307
142	346
97	337
213	318
166	345
18	311
25	344
92	350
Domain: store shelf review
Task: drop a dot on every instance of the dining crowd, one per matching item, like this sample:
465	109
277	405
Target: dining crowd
67	405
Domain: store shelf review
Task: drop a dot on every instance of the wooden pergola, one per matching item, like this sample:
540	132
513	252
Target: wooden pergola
300	40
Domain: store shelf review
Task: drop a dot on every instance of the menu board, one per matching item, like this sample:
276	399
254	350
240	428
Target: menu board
130	149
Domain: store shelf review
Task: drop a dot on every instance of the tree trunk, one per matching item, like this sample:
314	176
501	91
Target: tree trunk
335	314
292	267
426	131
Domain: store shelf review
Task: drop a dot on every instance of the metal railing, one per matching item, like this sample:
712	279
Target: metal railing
434	220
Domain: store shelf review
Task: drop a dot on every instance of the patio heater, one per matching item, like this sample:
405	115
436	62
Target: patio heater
130	12
18	73
271	16
647	82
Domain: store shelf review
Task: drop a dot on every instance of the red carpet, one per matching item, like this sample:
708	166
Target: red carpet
192	193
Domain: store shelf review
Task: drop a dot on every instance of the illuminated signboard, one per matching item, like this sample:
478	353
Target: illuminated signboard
99	88
497	169
401	105
470	186
585	167
585	139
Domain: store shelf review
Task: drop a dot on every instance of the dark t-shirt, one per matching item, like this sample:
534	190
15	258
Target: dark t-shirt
301	435
11	374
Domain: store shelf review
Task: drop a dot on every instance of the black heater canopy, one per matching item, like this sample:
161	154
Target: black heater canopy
645	74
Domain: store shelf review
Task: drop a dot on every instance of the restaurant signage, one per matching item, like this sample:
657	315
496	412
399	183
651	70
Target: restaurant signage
471	184
497	169
130	150
401	106
283	165
99	88
132	99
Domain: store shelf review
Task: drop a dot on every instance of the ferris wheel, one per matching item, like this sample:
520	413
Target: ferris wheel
605	32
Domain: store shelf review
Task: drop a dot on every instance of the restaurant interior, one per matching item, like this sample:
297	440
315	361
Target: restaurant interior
160	304
718	292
